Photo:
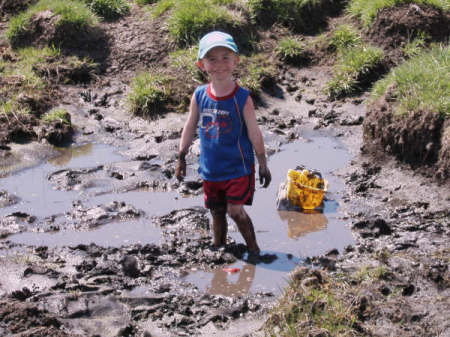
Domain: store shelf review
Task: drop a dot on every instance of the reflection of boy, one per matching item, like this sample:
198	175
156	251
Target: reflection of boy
224	115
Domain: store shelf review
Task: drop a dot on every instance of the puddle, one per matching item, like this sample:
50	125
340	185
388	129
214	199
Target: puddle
110	235
36	193
292	236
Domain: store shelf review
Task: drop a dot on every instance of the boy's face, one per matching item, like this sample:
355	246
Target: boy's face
219	63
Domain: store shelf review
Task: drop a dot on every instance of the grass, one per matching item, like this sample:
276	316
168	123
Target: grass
304	308
74	14
367	10
352	65
420	84
31	72
416	46
291	50
190	19
57	114
20	75
369	274
11	107
344	37
33	67
109	9
183	60
20	79
162	6
256	69
149	93
188	75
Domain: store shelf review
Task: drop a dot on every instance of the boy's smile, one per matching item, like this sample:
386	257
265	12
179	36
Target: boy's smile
219	63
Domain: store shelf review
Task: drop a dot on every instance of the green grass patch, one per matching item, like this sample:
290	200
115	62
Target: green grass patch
344	37
109	9
304	308
183	61
190	19
149	94
74	14
416	46
20	80
20	75
370	274
17	28
351	67
57	115
367	10
420	84
254	71
291	50
162	6
31	72
12	107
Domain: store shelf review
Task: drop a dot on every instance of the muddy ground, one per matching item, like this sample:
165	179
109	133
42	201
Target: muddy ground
399	218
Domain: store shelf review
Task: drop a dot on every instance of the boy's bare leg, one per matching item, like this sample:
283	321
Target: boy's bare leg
219	226
245	226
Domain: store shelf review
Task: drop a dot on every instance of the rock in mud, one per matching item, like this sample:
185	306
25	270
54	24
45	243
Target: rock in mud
57	133
69	179
7	199
186	219
372	228
85	218
130	266
15	223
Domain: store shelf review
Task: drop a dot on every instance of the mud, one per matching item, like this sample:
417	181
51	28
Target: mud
12	7
399	218
418	139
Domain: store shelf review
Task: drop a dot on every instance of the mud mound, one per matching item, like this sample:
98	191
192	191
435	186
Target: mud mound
419	139
309	19
139	46
44	30
57	132
17	128
395	26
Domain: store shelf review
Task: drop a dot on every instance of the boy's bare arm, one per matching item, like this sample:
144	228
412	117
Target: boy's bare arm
186	139
189	128
254	133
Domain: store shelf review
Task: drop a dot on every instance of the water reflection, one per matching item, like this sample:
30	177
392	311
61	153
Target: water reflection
300	224
224	283
67	154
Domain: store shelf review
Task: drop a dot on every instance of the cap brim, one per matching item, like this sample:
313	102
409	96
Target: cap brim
203	54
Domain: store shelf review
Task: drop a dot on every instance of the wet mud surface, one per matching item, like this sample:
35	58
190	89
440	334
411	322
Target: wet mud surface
395	215
399	219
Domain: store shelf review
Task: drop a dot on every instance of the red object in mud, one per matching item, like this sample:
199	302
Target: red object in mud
231	270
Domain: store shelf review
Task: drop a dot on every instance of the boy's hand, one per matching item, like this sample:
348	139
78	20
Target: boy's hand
264	176
180	171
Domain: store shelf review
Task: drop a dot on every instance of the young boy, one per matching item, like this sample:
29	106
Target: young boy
224	114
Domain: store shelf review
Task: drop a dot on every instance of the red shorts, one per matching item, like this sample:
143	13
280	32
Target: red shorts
238	191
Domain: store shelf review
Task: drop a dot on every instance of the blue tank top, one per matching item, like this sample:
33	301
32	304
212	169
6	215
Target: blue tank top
225	149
